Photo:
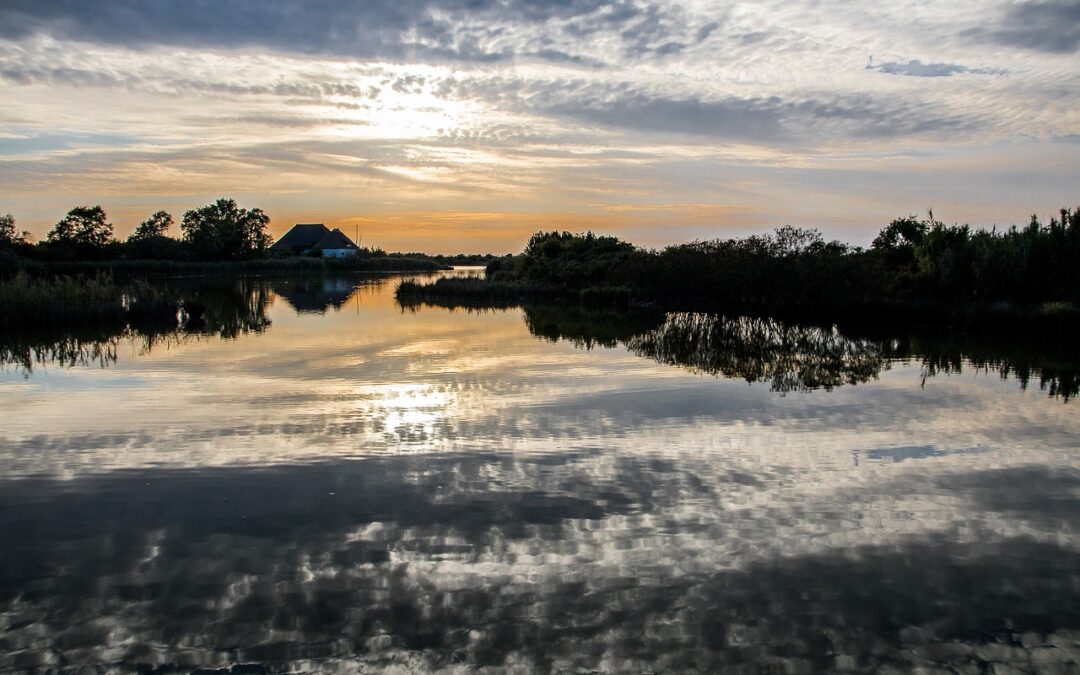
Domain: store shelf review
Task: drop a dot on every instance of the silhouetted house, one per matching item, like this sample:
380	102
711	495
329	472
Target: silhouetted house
300	239
336	245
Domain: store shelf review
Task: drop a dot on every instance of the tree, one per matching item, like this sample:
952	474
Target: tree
790	240
222	230
154	226
9	236
903	233
84	226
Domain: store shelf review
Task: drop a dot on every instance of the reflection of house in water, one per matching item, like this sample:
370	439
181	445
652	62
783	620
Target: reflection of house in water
315	295
307	237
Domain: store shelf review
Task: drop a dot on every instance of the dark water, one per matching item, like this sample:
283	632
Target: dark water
304	476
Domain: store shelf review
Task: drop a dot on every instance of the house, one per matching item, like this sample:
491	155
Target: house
336	244
307	237
300	239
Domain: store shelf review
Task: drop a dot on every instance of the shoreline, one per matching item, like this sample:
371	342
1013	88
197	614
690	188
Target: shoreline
299	264
999	317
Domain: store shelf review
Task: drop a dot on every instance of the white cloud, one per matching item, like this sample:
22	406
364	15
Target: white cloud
472	92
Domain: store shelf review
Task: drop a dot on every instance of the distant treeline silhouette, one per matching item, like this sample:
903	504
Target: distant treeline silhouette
913	264
219	234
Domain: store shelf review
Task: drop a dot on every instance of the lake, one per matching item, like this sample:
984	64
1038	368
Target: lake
309	477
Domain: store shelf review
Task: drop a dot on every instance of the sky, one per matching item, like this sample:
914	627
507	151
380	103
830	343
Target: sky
465	125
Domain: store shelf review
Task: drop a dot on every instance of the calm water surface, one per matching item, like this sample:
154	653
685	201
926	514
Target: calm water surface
309	477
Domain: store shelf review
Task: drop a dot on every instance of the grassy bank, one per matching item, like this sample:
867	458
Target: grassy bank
471	290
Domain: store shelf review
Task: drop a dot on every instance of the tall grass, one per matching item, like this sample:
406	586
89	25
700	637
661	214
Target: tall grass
28	302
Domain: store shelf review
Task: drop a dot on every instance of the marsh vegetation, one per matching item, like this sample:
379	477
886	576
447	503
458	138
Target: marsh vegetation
916	268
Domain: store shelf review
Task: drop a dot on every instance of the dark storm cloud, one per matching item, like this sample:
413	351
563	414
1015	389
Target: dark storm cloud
390	29
917	68
1052	27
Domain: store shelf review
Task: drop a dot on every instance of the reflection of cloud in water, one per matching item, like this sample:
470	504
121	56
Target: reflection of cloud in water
622	404
493	560
904	453
430	489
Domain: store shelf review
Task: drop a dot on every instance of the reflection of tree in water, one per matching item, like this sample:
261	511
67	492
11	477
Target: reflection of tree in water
225	308
1052	364
792	358
588	328
24	352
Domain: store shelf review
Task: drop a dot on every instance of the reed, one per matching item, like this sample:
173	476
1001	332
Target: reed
28	301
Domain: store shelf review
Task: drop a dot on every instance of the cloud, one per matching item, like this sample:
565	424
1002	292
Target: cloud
791	119
1051	26
402	30
916	68
677	88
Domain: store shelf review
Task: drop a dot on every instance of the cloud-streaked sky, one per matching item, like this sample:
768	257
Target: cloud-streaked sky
464	125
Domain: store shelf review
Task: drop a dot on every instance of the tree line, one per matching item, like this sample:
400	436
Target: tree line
913	263
218	231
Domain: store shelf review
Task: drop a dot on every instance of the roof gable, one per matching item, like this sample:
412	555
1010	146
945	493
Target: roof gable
302	235
334	239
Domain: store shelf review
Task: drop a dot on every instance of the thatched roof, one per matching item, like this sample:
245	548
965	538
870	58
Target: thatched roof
301	237
334	239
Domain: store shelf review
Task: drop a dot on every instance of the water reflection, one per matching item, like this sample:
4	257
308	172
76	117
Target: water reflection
491	560
316	294
789	357
360	488
220	307
792	357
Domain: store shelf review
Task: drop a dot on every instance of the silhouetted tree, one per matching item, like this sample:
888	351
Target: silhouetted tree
154	226
562	258
9	236
789	240
83	226
223	230
902	233
149	241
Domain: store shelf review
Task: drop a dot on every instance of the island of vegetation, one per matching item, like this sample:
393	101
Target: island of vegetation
916	269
